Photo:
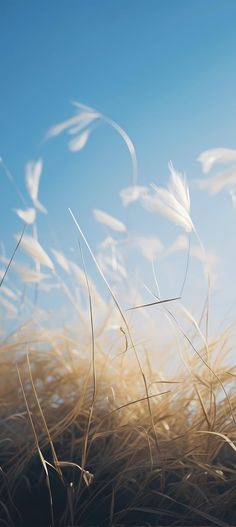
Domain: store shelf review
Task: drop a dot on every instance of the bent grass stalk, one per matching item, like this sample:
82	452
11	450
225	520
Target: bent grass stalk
124	320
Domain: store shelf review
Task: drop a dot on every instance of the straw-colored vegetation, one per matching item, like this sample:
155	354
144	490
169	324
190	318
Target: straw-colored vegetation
92	432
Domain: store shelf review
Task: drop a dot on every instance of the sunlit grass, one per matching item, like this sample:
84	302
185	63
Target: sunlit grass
94	430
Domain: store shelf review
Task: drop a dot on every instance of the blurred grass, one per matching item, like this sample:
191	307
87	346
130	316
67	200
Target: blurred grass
93	434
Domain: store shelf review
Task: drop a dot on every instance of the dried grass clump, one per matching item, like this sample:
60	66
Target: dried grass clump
93	434
79	450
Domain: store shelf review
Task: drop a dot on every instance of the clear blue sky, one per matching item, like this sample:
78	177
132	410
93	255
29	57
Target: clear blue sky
165	70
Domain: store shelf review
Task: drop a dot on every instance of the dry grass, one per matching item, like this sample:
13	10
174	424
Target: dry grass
92	433
118	464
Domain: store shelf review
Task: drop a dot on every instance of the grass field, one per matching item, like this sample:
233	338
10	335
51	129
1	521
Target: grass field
93	432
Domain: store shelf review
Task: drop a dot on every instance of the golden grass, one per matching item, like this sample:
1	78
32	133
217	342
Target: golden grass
109	456
93	434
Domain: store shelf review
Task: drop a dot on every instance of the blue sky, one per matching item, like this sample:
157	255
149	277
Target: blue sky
165	70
